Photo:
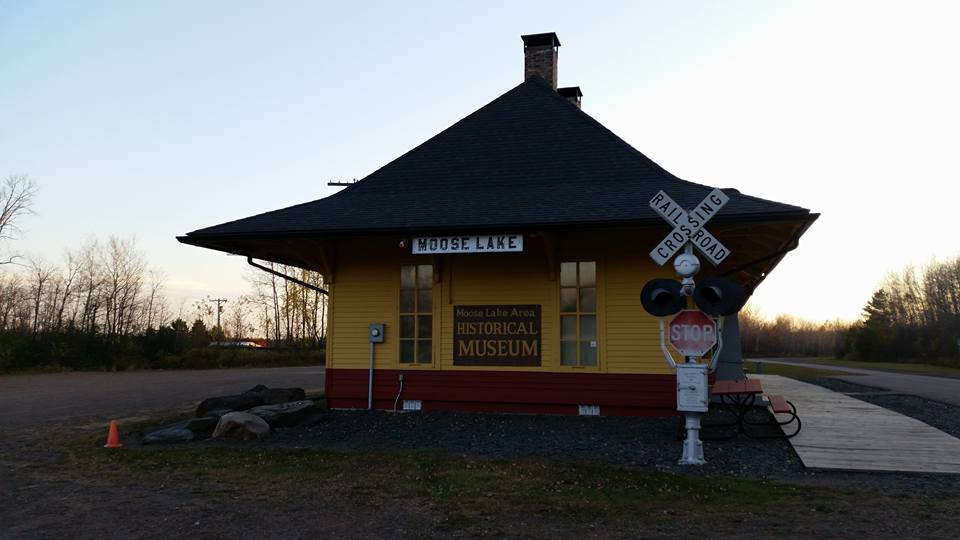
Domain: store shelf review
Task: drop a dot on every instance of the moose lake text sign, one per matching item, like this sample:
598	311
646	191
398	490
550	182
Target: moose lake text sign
488	243
501	335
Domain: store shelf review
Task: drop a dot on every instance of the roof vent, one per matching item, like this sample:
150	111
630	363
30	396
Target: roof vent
540	56
572	93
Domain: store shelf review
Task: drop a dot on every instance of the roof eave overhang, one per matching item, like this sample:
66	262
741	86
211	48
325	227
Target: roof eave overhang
754	272
199	238
277	247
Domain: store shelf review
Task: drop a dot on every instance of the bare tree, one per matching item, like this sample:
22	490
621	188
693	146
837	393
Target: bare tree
204	313
89	299
265	294
12	300
70	278
789	335
237	316
41	274
16	200
288	310
124	268
155	310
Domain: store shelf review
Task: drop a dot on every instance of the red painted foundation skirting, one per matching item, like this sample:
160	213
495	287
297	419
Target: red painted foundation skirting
507	391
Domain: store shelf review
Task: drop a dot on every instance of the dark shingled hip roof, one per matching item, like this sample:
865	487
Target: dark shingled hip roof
527	159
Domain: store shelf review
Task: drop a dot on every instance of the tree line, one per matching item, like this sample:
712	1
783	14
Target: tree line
103	307
788	335
914	316
99	289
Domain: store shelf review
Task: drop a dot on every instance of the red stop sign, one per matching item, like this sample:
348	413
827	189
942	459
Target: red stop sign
692	332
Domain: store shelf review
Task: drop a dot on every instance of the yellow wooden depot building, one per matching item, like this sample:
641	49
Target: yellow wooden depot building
505	258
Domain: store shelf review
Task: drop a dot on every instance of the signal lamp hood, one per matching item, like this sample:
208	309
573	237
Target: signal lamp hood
718	296
662	297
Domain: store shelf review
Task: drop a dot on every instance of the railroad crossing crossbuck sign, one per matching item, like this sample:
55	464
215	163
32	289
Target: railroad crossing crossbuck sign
688	227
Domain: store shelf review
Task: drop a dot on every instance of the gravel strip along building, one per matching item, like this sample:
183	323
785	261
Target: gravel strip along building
505	258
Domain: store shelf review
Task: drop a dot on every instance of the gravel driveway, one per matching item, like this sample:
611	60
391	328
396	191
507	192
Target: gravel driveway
27	400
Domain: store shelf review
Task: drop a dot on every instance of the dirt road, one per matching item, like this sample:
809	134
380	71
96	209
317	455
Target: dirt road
27	400
942	389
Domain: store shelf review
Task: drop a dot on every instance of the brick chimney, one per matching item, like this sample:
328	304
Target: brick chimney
572	93
540	56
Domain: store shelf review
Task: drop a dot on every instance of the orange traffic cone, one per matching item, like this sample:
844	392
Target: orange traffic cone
113	437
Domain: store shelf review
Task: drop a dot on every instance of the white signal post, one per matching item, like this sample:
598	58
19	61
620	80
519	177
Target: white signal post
692	332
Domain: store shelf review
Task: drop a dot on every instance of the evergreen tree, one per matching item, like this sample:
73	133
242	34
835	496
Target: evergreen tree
877	312
873	338
199	335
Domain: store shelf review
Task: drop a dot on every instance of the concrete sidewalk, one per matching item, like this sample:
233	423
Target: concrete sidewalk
843	433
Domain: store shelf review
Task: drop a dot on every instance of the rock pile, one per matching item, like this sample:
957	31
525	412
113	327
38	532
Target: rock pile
245	416
254	397
241	425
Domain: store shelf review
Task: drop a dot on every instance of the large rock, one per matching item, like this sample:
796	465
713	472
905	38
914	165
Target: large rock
284	414
272	396
255	397
241	425
170	434
217	413
203	425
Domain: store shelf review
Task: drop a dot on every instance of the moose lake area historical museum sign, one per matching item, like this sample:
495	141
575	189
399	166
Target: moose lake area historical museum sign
496	335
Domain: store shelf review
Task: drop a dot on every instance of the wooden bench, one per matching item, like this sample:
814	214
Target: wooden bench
741	396
777	404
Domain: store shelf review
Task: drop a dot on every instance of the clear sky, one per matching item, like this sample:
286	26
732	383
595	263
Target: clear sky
153	119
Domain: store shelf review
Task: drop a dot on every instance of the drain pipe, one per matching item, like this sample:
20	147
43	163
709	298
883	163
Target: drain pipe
370	380
286	277
397	400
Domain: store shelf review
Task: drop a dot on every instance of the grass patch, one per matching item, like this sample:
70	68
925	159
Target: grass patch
435	493
794	372
463	487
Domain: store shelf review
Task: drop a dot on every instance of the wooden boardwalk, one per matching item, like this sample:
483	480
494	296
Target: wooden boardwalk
843	433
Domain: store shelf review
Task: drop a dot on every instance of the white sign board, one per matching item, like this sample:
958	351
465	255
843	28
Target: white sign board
705	242
692	388
688	227
431	245
689	222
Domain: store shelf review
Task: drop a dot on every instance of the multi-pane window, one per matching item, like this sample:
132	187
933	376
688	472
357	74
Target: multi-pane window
416	308
578	313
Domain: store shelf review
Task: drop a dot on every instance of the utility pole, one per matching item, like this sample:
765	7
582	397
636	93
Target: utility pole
218	301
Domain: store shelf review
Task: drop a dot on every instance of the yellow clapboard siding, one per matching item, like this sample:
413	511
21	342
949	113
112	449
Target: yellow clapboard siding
365	292
632	336
367	283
